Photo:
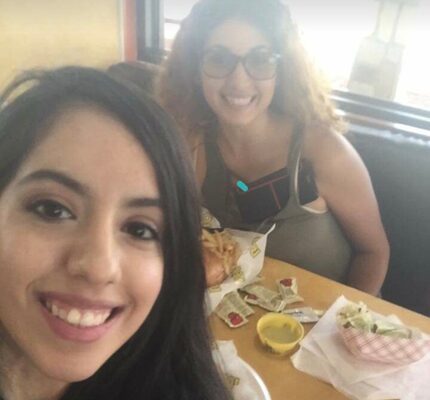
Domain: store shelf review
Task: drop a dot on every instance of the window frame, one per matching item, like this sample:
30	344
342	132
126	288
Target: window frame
150	30
357	108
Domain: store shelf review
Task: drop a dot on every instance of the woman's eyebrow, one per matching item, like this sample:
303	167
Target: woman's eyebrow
215	47
143	202
56	176
81	189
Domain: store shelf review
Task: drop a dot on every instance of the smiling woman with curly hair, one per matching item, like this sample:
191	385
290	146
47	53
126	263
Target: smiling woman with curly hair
267	143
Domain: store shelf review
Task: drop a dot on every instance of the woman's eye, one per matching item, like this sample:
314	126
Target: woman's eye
260	59
216	59
141	231
51	210
220	57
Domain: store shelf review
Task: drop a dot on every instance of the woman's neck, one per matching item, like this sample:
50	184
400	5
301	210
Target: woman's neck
21	380
256	150
240	135
259	136
261	133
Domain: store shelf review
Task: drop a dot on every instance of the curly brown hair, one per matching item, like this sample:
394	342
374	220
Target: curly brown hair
300	94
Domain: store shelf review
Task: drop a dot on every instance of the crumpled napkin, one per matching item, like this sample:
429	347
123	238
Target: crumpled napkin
246	384
250	263
323	354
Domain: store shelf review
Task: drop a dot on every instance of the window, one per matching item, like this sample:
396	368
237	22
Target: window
375	48
370	47
174	12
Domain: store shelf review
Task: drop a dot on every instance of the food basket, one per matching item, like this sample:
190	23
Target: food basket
374	338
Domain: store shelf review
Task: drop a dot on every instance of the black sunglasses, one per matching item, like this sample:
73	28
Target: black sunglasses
260	63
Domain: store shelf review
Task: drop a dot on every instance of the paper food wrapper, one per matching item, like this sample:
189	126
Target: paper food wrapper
324	355
249	264
242	380
382	348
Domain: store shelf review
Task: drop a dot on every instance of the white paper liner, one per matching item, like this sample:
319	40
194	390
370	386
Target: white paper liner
323	354
248	384
250	263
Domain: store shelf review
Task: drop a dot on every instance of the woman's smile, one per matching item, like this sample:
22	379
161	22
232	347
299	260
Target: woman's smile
75	318
239	101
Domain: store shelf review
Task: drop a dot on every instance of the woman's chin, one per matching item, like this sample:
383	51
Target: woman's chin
69	372
240	120
237	121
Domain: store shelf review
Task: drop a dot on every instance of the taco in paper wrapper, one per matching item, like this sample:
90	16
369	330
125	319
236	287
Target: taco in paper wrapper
374	338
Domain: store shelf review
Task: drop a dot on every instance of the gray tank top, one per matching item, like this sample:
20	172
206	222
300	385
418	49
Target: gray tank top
303	237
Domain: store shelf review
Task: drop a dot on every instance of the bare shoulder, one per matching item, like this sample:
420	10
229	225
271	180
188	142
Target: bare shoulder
334	160
326	147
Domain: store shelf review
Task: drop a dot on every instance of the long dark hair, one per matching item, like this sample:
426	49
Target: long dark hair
301	94
169	357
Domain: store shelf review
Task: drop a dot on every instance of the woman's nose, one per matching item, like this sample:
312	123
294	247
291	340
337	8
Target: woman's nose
239	76
93	257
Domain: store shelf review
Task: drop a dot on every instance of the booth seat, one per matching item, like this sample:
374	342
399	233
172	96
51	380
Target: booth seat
399	166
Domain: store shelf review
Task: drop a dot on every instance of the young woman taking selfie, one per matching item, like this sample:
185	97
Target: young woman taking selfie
101	273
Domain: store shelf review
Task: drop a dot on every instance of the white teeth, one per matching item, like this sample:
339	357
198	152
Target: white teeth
88	319
54	310
239	101
74	316
92	319
78	317
98	320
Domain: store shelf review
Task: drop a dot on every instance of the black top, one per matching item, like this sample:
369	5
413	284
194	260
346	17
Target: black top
266	196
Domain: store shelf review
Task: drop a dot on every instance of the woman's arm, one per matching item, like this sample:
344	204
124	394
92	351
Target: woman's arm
343	181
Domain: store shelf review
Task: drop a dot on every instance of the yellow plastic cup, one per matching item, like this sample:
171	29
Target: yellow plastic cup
280	333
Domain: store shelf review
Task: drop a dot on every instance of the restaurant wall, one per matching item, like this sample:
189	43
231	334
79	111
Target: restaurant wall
47	33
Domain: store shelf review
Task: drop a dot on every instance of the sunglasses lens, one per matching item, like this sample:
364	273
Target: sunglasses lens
261	64
218	63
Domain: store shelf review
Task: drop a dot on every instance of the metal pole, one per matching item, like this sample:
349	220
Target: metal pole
150	30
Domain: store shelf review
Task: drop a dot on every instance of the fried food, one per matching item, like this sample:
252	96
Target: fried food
220	253
214	269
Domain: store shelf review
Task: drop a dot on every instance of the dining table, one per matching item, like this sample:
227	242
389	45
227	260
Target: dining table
283	381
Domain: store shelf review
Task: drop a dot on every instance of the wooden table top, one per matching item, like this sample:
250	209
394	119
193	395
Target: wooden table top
278	373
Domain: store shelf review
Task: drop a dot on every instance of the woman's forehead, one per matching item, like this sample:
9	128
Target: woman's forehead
96	148
237	35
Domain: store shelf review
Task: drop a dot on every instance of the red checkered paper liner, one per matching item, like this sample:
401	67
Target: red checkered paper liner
383	348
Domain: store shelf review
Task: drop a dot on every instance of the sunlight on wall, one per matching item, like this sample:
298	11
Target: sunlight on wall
46	33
